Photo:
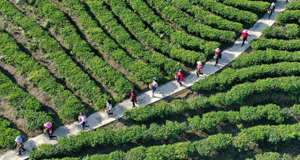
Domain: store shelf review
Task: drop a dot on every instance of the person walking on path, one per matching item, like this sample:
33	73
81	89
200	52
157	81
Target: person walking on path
271	9
49	130
154	86
20	145
199	68
245	36
133	98
82	120
109	108
179	77
218	55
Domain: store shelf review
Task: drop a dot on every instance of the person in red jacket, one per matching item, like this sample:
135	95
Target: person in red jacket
245	36
179	76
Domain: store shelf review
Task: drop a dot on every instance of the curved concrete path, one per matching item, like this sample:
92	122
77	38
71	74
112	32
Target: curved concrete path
100	118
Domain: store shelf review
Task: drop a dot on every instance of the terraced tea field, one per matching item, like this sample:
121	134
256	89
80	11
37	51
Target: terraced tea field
62	57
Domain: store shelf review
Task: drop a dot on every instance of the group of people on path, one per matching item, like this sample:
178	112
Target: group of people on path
82	120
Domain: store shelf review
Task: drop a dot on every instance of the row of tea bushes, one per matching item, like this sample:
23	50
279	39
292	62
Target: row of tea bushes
268	56
236	95
247	113
207	17
27	105
181	150
230	76
118	33
288	31
272	134
164	30
104	137
79	48
137	26
258	7
8	134
66	67
204	31
274	155
65	102
293	5
278	44
245	17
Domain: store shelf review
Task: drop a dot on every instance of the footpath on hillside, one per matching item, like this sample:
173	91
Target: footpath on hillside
100	118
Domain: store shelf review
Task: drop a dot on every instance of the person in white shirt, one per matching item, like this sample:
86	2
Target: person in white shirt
82	120
155	86
109	108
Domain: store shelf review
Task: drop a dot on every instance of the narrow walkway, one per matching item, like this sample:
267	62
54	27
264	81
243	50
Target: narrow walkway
100	118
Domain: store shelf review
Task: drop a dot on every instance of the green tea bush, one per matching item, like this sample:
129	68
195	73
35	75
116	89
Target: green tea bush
7	135
293	5
288	45
273	134
158	110
256	7
274	156
212	143
288	31
247	113
265	57
288	17
233	76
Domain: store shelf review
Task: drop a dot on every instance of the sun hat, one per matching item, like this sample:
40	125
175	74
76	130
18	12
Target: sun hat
48	124
218	50
19	139
245	31
199	62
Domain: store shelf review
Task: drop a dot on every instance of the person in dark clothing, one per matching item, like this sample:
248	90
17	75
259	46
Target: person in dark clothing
133	97
50	133
271	9
218	55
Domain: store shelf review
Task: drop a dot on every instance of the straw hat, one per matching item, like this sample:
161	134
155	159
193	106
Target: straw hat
199	63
